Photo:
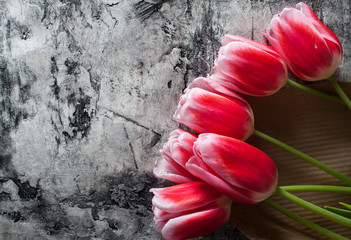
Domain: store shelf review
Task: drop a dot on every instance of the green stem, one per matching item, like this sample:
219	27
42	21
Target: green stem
305	157
317	188
305	222
339	91
315	92
313	208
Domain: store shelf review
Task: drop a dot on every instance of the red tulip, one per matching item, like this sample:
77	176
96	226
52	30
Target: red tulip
205	111
312	51
249	67
175	153
235	168
189	210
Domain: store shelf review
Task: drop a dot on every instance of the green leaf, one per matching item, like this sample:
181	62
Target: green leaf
348	206
339	211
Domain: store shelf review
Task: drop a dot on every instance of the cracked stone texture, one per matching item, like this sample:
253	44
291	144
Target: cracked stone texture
87	92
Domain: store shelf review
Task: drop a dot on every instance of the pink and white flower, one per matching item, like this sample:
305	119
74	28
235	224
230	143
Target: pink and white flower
206	111
249	67
189	210
234	168
311	50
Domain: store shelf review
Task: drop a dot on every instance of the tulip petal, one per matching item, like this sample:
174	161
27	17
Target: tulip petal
161	215
213	86
239	163
195	224
199	169
184	197
232	38
160	218
166	168
308	39
321	28
329	36
204	111
181	146
174	154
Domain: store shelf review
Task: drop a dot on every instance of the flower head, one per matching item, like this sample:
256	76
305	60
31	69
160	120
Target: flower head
235	168
312	51
249	67
206	111
189	210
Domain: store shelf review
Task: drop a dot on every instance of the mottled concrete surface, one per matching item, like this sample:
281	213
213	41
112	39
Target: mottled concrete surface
87	92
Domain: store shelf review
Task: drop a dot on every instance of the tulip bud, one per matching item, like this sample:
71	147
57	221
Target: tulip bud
249	67
189	210
311	50
205	111
235	168
174	154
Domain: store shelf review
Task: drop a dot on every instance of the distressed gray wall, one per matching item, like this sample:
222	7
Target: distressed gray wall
87	92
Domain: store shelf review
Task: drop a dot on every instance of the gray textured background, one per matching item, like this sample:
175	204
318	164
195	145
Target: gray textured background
87	92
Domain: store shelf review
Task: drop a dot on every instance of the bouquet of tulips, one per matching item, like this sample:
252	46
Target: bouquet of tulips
212	165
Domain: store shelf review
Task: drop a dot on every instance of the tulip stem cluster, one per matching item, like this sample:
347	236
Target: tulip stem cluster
315	92
340	92
284	191
305	157
304	221
313	208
